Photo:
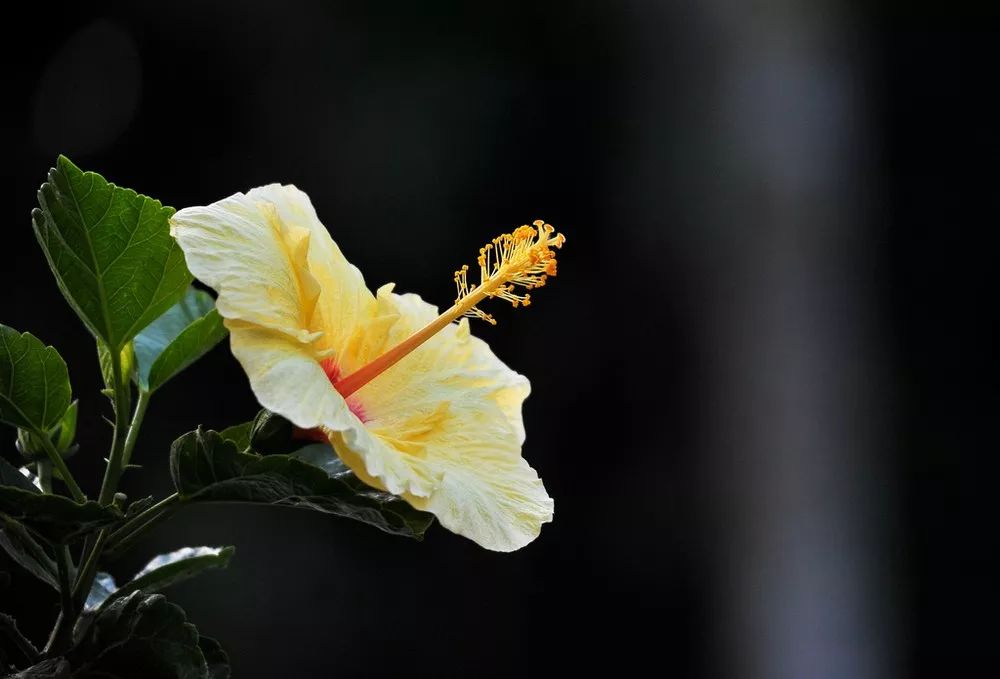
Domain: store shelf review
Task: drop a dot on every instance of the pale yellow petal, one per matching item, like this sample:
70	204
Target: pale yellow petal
443	429
382	466
287	379
453	357
498	502
288	295
344	299
255	263
274	265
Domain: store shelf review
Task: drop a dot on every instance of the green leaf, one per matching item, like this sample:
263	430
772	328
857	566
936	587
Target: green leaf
110	250
216	657
271	434
15	539
53	517
25	552
34	384
65	432
53	668
178	338
140	636
107	370
207	468
238	434
12	476
10	633
164	571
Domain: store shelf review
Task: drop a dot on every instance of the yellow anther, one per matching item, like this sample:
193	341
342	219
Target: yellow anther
523	258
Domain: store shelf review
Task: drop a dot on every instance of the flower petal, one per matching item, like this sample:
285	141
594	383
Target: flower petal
444	430
287	379
344	299
274	265
499	502
286	292
454	358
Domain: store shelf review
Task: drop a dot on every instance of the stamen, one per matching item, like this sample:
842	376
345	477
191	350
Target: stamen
524	259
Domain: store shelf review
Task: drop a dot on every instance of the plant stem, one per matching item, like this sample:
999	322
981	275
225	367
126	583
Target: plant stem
64	563
142	522
122	442
116	460
124	435
88	570
133	431
62	633
59	463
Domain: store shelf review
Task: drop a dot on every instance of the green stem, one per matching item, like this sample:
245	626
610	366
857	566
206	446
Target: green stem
122	442
59	463
133	431
85	579
64	563
61	636
116	461
62	633
112	473
142	522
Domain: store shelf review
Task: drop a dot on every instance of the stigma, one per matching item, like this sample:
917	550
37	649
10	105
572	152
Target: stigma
509	266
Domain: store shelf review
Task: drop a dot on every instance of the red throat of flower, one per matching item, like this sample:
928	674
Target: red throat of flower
332	371
524	258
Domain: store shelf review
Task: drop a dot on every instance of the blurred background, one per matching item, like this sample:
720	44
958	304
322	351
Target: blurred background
764	383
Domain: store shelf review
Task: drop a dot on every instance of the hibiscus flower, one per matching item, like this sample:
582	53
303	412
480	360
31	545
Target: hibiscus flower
407	397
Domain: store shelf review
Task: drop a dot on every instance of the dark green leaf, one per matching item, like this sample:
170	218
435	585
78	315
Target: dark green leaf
216	657
28	554
140	636
207	468
53	668
238	434
110	250
12	476
53	517
178	338
34	384
169	569
11	634
271	434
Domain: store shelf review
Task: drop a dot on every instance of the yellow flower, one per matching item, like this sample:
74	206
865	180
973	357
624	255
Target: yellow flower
411	401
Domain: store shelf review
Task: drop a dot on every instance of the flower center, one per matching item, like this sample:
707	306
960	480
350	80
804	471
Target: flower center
524	258
332	371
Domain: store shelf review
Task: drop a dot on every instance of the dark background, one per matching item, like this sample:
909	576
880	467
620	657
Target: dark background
764	390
